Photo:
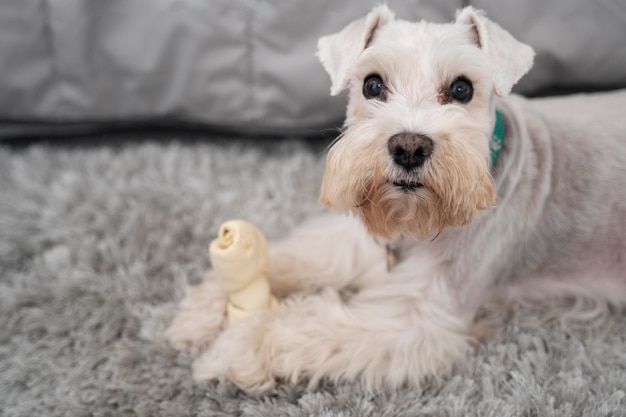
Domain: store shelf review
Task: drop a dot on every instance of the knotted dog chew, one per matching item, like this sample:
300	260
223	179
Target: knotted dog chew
239	256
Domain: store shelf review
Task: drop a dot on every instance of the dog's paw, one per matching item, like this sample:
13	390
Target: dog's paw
181	335
240	354
247	376
200	318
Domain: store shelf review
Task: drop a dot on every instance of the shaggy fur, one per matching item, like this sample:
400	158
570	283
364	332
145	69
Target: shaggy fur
556	230
97	243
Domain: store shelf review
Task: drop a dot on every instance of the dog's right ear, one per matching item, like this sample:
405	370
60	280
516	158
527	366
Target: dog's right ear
338	52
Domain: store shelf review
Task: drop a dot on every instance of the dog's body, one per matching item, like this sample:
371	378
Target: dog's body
561	212
557	230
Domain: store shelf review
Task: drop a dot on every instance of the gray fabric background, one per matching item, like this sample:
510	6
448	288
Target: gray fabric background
249	65
97	243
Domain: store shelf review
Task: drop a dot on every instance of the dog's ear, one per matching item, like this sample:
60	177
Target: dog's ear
338	52
510	58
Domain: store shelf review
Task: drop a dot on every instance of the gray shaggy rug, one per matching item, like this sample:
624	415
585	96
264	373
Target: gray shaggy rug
97	243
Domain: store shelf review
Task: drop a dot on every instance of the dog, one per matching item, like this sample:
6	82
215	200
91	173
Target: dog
457	193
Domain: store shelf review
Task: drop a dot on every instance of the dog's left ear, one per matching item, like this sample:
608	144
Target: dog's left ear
338	52
510	58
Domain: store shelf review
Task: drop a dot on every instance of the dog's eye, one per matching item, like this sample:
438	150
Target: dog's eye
373	87
461	90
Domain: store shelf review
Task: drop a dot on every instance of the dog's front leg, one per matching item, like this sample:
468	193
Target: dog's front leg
384	336
330	251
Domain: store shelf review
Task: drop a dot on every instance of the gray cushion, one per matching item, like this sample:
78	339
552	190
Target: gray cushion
250	64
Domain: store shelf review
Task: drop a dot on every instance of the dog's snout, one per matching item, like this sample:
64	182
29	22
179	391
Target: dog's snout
410	150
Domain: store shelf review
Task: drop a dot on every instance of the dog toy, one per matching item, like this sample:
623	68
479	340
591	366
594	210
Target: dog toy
239	256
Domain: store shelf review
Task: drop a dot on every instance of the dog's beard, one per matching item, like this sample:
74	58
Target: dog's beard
448	190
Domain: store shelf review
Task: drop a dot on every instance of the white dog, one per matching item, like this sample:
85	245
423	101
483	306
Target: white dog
472	196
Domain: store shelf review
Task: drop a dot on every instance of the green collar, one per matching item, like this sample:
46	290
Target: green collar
497	138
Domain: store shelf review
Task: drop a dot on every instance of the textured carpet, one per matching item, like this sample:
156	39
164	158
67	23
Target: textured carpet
97	243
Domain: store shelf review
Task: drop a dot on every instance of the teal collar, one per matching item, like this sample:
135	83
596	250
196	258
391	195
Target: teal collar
497	138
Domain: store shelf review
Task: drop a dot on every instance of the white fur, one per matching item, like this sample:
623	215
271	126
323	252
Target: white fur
549	220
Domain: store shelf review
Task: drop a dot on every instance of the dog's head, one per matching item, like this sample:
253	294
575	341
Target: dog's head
414	155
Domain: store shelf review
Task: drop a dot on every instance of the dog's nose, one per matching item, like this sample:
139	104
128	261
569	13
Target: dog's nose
410	150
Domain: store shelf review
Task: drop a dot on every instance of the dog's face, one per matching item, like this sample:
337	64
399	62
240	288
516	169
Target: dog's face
414	156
